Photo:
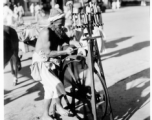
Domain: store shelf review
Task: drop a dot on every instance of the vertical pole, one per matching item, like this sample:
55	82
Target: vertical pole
25	5
90	56
102	73
93	101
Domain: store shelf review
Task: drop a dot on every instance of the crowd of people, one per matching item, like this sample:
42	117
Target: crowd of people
36	10
12	13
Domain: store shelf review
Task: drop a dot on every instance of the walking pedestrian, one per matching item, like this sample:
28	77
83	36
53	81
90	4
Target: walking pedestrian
32	9
8	16
143	3
37	11
117	4
114	4
41	6
20	12
16	14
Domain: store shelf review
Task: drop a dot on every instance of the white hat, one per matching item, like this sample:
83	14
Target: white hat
55	14
69	2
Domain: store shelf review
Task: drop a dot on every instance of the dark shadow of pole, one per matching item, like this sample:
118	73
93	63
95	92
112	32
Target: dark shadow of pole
113	43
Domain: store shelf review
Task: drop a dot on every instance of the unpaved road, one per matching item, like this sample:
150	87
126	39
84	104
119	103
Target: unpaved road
126	65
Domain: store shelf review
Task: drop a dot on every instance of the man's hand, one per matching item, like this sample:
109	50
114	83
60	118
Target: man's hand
75	43
82	51
69	50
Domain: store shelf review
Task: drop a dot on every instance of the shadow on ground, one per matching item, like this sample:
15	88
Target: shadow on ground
25	72
113	43
125	102
148	118
37	87
135	47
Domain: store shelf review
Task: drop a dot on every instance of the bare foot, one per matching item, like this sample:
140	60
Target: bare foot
61	111
46	117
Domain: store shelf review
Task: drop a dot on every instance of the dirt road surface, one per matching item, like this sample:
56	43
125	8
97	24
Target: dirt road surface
126	66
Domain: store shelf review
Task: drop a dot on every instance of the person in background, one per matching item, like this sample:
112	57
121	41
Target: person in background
37	11
42	12
41	6
8	16
143	3
117	4
16	14
32	10
113	4
20	12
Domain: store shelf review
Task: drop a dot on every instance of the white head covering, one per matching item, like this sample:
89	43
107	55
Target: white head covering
69	2
55	14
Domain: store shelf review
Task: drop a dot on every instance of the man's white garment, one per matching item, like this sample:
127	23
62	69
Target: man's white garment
37	8
100	41
8	16
16	12
53	87
20	10
114	5
118	4
32	8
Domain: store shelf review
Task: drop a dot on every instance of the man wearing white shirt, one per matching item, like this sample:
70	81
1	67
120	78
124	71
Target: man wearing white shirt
16	14
37	11
8	16
20	11
32	9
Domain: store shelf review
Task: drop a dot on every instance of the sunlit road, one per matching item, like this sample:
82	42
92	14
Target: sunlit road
126	67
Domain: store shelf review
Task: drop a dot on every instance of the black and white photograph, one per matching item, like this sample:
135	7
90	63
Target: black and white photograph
76	59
